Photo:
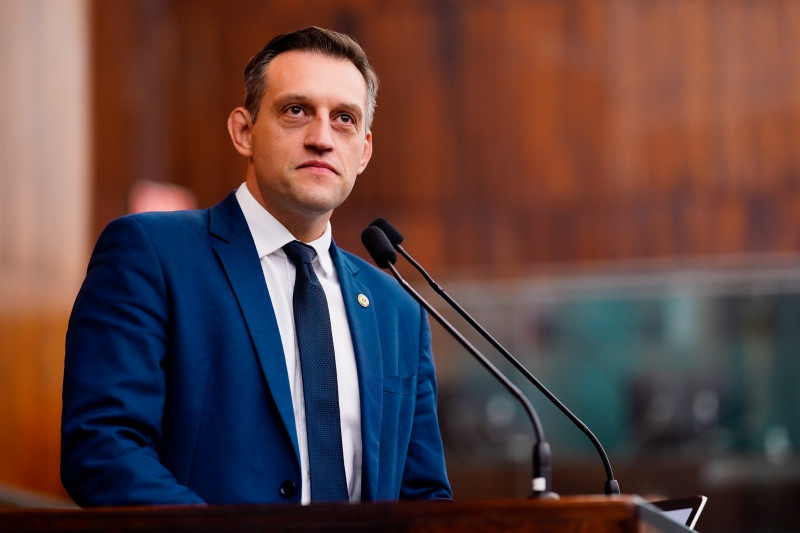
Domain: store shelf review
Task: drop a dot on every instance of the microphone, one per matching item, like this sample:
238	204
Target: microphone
379	247
395	238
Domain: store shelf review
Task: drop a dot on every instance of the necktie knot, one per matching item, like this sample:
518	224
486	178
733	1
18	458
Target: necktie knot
299	253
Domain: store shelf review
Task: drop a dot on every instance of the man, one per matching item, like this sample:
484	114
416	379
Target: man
185	376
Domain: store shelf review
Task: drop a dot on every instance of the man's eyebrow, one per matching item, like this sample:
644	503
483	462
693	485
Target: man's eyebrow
353	109
289	98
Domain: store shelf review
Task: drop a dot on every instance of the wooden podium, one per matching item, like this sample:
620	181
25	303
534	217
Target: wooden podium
595	514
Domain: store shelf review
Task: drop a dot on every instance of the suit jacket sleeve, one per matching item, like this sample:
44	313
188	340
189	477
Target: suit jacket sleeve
425	475
114	381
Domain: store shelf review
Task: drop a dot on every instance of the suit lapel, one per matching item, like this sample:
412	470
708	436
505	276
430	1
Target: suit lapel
367	347
237	253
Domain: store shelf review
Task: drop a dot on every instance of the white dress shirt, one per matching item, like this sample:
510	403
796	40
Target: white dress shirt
279	273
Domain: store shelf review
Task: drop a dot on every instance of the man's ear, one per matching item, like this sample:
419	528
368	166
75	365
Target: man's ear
240	126
366	154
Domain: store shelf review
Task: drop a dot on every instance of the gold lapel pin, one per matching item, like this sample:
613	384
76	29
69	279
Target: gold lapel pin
363	301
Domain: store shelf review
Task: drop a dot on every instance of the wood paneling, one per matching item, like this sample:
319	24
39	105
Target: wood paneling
44	136
508	134
44	220
31	369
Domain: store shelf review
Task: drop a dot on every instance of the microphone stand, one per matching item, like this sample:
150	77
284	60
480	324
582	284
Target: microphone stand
379	247
541	466
611	484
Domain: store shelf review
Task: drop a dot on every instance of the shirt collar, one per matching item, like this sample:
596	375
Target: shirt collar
270	235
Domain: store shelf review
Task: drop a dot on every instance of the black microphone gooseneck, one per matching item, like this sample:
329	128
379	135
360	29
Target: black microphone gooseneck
379	247
395	238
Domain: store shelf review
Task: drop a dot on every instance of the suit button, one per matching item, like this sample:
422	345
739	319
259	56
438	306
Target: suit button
288	488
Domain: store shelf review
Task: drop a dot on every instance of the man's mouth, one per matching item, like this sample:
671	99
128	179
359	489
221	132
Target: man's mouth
318	165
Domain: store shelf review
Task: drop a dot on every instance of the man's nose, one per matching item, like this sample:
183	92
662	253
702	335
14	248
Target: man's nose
319	134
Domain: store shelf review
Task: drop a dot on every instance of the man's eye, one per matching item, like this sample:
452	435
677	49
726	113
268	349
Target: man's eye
347	119
294	110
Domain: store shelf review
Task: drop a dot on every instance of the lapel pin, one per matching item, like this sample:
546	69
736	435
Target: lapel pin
363	301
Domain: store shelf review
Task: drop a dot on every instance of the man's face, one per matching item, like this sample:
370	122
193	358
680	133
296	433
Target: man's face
309	141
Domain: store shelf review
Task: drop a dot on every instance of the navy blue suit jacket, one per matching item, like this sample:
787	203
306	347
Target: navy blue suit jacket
175	382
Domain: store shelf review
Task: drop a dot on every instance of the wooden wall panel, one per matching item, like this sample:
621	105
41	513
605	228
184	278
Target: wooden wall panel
509	133
44	220
30	398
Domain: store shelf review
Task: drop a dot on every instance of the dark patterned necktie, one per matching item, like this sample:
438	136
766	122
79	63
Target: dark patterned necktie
315	342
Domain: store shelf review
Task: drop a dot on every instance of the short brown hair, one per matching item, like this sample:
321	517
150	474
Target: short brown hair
311	39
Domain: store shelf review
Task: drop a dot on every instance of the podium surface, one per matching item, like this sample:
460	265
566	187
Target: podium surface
596	514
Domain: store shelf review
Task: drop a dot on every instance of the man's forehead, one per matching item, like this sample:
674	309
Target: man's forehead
312	75
301	64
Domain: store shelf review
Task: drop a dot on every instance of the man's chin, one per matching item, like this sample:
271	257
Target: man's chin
319	206
321	198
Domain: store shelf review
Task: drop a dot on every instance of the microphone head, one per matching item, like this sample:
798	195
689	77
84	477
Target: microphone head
394	236
378	246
